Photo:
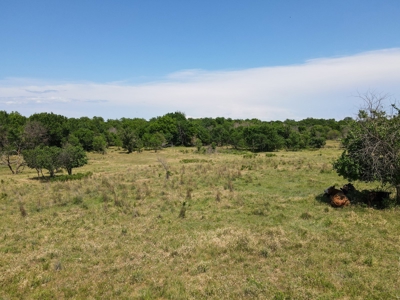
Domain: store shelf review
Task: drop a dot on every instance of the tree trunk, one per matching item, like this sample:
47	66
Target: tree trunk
398	194
10	167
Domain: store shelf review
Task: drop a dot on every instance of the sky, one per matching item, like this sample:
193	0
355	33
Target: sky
271	60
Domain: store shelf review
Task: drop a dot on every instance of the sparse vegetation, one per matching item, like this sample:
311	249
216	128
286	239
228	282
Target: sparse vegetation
262	231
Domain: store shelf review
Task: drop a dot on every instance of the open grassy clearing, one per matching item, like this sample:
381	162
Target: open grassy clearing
253	228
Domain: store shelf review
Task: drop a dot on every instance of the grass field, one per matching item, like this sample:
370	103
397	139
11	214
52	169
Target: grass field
252	227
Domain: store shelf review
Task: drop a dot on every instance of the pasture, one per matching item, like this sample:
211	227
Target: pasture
253	226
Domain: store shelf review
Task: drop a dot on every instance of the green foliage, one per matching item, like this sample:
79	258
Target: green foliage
349	166
34	159
198	144
48	158
166	125
317	142
194	160
154	141
85	137
12	140
73	140
56	125
333	134
130	140
249	155
99	144
52	158
372	145
72	157
172	129
220	134
294	141
263	138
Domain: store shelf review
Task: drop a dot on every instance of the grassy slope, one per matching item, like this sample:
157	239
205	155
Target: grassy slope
254	228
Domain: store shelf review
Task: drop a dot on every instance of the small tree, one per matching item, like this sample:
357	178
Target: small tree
49	159
33	159
154	141
333	134
10	155
99	144
52	158
72	140
199	144
12	143
372	145
72	157
130	140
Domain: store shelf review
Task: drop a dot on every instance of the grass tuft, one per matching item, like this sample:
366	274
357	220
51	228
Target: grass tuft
22	210
306	216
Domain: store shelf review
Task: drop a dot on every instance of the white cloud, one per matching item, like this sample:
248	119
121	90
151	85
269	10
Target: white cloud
320	88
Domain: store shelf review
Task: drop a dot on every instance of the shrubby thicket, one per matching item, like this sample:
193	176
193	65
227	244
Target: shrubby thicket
372	144
19	133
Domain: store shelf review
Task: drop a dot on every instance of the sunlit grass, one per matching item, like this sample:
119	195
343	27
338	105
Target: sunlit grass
253	228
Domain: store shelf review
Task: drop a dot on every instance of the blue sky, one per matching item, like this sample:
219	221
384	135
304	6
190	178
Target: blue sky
241	59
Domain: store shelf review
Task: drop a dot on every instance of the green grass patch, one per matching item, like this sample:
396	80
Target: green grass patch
77	176
194	160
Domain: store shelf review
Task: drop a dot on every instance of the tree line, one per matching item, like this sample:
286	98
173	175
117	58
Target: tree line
21	136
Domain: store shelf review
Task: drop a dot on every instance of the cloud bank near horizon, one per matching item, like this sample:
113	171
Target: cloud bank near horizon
319	88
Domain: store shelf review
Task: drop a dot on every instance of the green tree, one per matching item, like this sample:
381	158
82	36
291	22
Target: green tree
199	144
99	144
12	140
184	131
372	145
52	158
56	125
49	159
165	125
154	141
293	141
263	138
237	138
73	140
333	134
130	140
220	134
85	137
72	157
112	137
317	142
34	159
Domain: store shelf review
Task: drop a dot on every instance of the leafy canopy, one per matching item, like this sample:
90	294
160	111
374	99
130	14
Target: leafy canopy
372	145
